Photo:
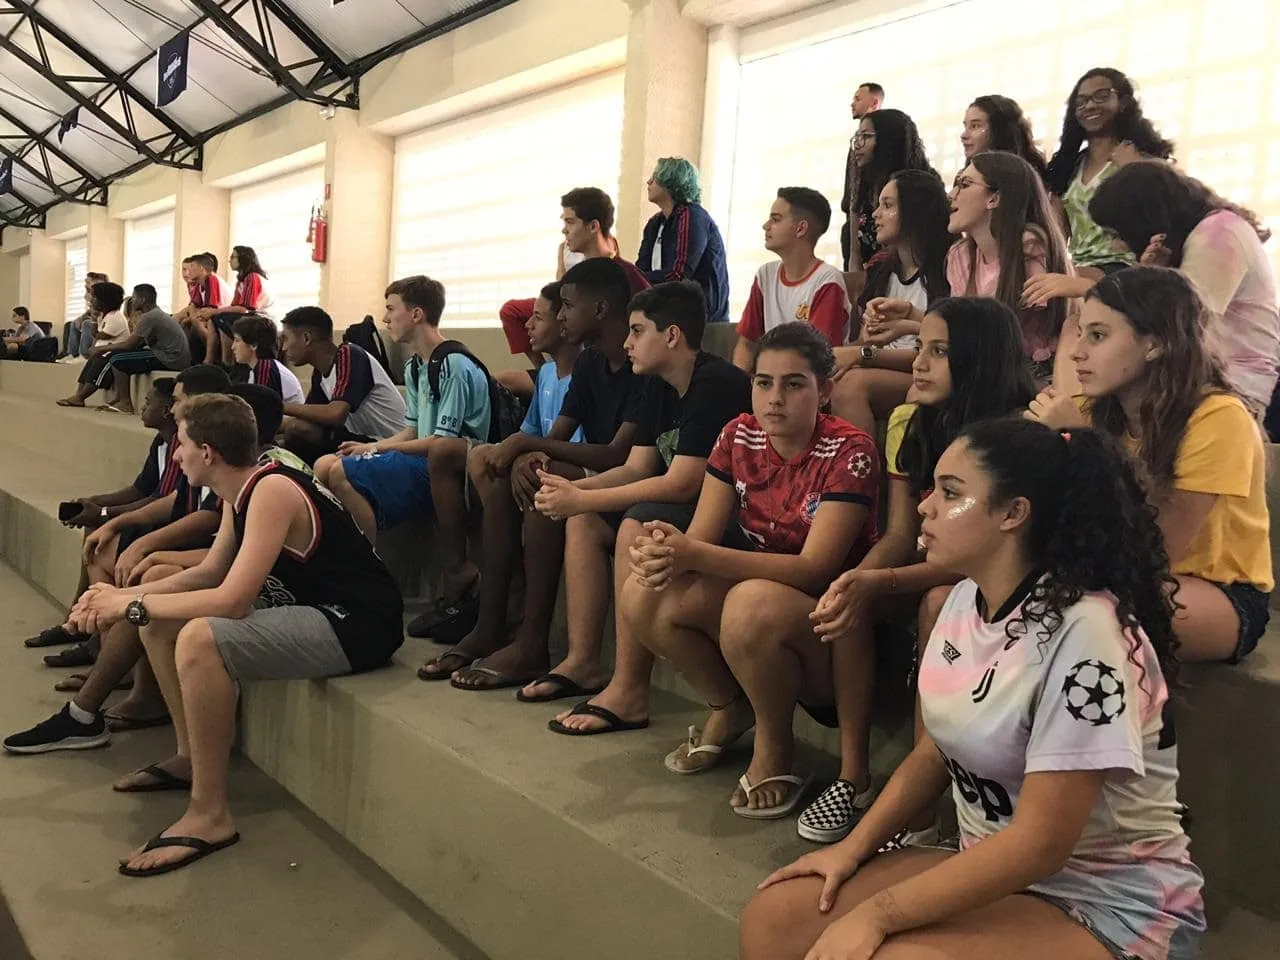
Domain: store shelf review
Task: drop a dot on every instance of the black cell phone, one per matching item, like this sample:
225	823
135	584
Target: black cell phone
68	509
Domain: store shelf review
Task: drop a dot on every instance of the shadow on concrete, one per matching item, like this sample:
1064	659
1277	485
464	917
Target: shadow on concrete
11	945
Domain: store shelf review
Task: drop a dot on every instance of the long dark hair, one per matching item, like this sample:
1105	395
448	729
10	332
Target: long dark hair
1009	131
1130	125
923	212
898	147
1160	303
989	378
1092	529
247	258
1148	197
1024	205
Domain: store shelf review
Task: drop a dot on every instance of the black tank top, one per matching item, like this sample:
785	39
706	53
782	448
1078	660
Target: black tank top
339	574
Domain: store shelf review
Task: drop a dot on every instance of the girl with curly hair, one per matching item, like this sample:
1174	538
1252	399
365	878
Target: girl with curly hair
970	367
681	241
874	373
1148	380
1044	689
1174	220
887	141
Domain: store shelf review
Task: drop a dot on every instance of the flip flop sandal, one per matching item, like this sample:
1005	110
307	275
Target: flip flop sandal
162	780
54	637
784	809
500	681
615	723
565	687
202	849
112	408
119	724
75	682
690	749
466	661
68	403
77	656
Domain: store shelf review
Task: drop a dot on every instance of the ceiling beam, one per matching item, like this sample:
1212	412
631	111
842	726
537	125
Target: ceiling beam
44	177
366	63
267	59
332	60
41	141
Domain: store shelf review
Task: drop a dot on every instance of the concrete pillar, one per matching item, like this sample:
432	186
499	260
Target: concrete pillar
666	74
45	278
359	169
201	221
105	242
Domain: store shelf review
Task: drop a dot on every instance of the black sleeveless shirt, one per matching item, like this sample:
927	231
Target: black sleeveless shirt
339	574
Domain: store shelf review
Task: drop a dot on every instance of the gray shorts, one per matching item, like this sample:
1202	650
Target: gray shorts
279	643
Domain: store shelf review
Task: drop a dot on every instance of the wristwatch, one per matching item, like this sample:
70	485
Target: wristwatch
869	353
136	614
103	514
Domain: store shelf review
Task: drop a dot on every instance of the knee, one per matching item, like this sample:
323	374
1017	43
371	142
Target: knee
159	572
448	462
324	466
767	930
748	621
475	464
195	646
627	534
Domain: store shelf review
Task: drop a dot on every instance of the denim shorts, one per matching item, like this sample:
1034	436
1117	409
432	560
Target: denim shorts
1253	608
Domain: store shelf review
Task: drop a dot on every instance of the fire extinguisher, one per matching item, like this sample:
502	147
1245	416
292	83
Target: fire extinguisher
318	235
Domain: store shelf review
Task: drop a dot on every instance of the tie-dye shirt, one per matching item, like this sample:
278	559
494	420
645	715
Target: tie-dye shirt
1226	263
1000	709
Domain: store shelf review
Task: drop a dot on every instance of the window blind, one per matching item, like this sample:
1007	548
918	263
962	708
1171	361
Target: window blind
148	255
272	217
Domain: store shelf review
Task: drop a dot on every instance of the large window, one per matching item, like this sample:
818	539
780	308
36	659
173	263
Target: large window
148	255
77	265
272	217
1208	81
477	200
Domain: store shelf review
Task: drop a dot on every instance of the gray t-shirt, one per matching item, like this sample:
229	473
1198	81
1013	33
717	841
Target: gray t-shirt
161	333
30	331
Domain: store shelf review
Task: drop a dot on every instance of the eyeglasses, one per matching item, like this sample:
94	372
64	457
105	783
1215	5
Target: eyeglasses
1099	97
964	183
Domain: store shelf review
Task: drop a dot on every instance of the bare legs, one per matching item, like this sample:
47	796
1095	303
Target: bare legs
1206	625
864	395
330	473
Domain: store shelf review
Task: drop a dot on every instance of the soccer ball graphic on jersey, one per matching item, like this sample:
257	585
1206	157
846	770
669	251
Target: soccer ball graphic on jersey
1094	692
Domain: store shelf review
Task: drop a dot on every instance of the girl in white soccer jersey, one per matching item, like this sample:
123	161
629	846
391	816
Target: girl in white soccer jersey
1044	692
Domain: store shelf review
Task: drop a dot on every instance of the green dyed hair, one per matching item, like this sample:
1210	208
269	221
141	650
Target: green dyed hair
679	178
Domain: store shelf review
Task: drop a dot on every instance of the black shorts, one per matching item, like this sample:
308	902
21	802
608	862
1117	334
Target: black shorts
1253	609
679	515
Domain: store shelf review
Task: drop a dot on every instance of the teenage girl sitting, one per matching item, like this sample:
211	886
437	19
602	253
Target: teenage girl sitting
970	367
1001	207
1044	689
874	374
1148	380
791	492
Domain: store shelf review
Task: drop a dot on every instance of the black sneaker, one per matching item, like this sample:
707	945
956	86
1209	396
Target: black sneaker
60	732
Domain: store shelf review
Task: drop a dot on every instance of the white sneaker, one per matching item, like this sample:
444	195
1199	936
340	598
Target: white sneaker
831	817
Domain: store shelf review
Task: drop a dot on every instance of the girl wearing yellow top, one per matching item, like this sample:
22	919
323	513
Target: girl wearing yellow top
1147	379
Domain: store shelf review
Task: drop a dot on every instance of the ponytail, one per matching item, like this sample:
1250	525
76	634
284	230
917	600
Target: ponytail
1091	529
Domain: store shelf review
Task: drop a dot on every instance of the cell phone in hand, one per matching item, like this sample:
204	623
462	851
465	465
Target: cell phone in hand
69	509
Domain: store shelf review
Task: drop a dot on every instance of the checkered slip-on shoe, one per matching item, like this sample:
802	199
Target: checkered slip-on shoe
830	818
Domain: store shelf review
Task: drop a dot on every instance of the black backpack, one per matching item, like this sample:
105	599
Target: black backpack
506	410
39	350
365	335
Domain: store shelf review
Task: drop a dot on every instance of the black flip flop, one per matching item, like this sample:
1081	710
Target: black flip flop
565	688
616	723
202	849
467	659
164	780
119	724
494	680
78	656
53	637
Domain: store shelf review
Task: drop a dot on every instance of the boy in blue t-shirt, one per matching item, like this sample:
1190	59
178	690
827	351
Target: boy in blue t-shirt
424	466
555	375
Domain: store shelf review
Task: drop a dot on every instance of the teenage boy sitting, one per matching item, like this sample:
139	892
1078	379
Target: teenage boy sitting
290	589
180	545
604	399
798	286
26	331
453	614
254	344
156	343
424	466
351	399
108	516
679	425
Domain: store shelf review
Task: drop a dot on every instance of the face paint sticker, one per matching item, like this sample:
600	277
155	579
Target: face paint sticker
961	508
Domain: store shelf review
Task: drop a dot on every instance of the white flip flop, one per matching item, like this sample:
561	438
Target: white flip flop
692	748
785	809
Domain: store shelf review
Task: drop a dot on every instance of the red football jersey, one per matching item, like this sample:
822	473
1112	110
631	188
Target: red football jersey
777	498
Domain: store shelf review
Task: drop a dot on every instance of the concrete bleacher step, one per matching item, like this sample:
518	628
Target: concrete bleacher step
108	447
63	829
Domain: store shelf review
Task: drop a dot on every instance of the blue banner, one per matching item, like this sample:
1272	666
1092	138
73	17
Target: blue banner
171	63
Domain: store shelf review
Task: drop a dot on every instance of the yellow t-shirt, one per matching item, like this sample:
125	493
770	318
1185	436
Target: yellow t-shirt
894	435
1221	453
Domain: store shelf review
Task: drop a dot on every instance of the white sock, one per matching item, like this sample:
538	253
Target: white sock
80	715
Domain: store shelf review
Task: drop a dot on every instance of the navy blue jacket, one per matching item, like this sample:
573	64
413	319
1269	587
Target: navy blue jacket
692	249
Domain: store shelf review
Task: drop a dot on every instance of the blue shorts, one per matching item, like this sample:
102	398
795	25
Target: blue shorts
397	485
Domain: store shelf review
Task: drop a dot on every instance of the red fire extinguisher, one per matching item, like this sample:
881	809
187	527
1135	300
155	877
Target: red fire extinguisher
318	234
